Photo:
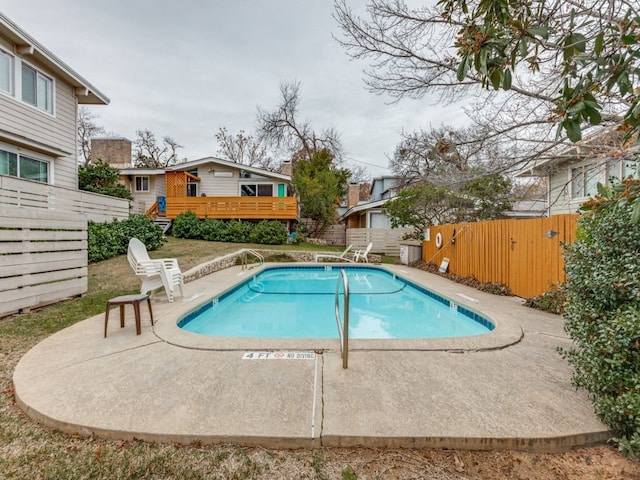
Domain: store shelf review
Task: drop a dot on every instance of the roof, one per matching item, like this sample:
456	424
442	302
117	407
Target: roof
528	209
363	207
595	146
141	171
26	44
227	163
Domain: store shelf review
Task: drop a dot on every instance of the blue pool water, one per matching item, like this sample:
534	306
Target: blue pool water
298	302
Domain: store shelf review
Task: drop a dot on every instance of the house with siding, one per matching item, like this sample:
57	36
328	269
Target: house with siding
43	215
370	214
573	174
39	98
211	187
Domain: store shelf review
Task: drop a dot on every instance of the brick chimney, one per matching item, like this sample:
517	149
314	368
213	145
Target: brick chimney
114	151
353	195
286	168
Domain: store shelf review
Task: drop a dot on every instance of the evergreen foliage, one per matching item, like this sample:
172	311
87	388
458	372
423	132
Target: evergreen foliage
320	187
603	311
100	177
187	225
106	240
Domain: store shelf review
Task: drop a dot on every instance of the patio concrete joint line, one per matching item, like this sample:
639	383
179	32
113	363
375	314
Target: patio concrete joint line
321	435
45	373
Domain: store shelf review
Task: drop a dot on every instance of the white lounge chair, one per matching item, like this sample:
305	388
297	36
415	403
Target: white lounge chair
154	273
358	254
334	257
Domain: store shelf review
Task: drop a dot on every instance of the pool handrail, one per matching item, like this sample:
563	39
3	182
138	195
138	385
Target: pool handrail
343	330
252	252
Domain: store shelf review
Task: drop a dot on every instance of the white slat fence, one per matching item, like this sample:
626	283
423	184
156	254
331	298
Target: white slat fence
43	257
385	240
26	193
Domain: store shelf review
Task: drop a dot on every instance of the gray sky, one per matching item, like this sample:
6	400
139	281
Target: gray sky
185	69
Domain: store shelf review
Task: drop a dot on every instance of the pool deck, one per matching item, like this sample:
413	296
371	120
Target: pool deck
508	389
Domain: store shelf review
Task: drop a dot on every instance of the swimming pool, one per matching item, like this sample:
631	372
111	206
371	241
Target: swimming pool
298	302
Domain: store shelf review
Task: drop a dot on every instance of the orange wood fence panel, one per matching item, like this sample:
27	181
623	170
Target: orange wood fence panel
520	253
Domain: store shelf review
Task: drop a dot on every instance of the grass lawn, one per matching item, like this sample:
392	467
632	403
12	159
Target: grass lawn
31	451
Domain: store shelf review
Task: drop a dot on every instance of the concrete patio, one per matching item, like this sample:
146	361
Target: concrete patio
508	389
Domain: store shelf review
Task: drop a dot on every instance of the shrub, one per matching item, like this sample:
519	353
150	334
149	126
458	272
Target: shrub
144	229
106	240
269	232
213	230
603	293
237	231
187	225
552	301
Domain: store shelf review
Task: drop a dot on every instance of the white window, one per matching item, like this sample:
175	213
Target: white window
24	167
37	89
619	169
584	181
6	72
630	168
256	190
142	184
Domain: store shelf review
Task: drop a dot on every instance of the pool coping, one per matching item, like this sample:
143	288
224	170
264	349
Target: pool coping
505	333
493	395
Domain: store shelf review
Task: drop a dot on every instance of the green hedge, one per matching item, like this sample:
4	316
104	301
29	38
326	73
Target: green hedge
270	232
602	316
106	240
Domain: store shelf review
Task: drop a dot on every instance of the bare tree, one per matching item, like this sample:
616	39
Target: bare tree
285	131
87	129
428	52
245	149
148	153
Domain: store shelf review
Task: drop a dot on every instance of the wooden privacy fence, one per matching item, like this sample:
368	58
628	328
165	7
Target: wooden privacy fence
27	193
43	257
524	254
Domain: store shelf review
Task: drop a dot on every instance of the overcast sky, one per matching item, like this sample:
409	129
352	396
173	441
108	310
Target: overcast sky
186	68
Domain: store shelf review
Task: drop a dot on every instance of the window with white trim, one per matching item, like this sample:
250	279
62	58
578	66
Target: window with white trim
256	190
6	72
584	181
630	168
37	89
142	184
22	166
619	169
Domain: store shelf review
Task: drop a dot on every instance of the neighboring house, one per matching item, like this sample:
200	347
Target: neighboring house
212	188
370	214
39	95
573	175
528	209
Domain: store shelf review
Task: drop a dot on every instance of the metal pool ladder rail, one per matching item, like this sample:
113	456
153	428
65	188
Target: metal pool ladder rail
252	252
343	330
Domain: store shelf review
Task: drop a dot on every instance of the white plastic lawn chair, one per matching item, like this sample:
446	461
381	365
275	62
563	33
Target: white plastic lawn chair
154	273
333	257
362	254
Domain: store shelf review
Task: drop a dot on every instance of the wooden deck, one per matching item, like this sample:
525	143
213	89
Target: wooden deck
250	208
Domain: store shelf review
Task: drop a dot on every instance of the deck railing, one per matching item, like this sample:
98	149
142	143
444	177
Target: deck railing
270	208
